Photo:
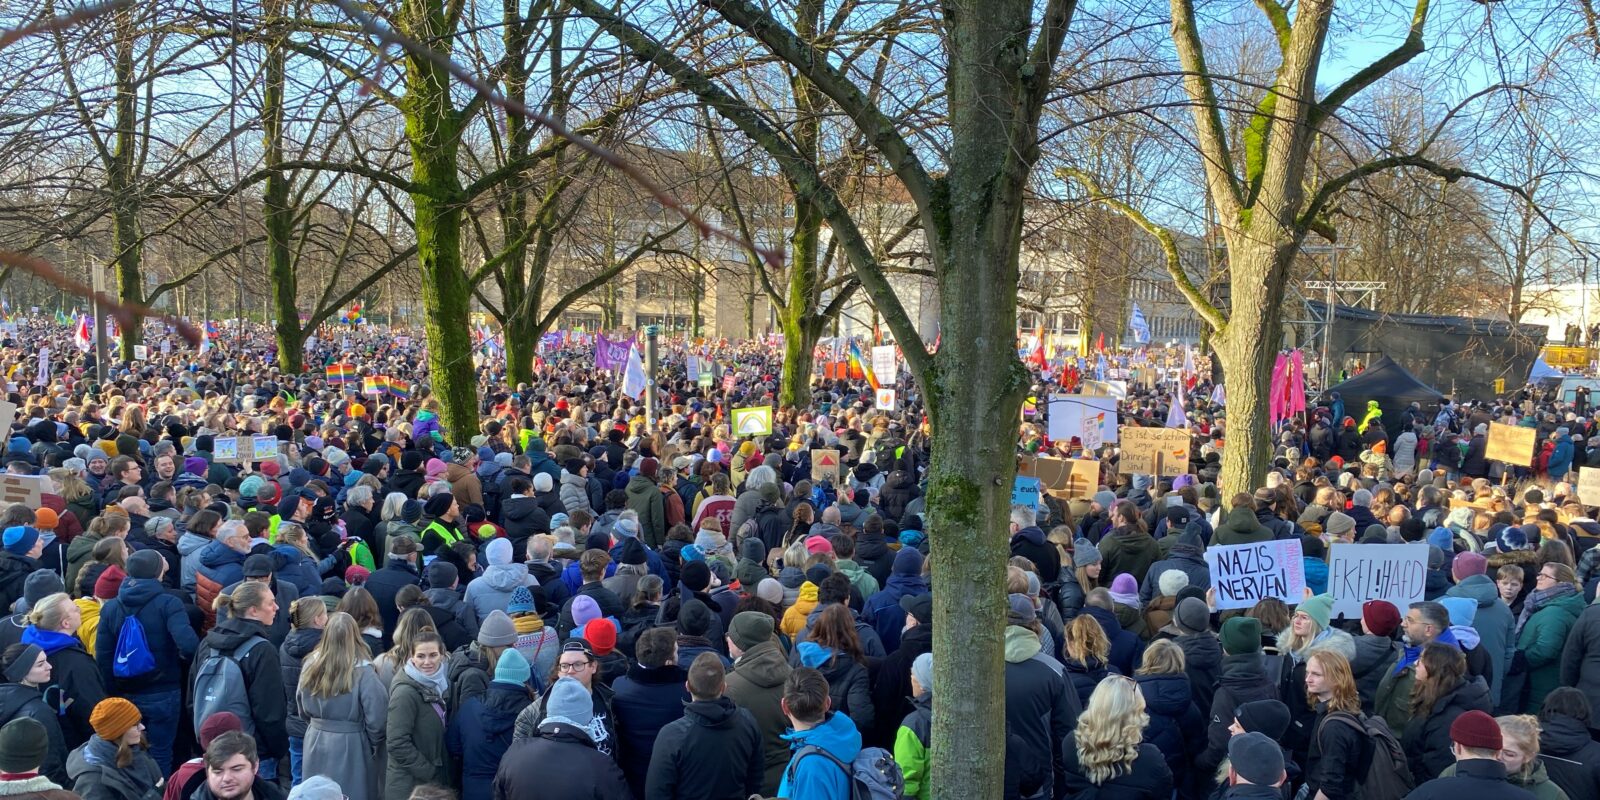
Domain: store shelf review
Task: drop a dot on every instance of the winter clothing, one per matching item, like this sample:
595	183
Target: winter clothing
1147	778
848	684
1427	741
1041	707
480	735
263	680
1541	642
1240	526
96	776
344	734
1128	550
560	760
415	735
1176	727
17	701
1494	624
1571	755
815	776
713	751
1241	681
756	684
1475	778
646	701
1030	543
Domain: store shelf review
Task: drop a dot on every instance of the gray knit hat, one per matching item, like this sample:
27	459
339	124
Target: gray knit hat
922	670
497	630
1084	553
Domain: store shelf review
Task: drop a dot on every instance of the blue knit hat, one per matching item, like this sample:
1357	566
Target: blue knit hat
512	668
521	601
19	539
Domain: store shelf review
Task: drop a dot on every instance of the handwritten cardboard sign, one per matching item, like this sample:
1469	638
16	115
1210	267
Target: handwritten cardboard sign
1511	444
885	365
1588	485
1244	574
1361	572
1141	446
1025	492
25	489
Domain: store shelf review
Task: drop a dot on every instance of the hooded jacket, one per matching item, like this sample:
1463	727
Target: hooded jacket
714	750
1495	626
17	700
1185	557
1375	657
480	734
263	680
848	683
1242	680
1202	662
1031	544
1427	741
1126	648
1041	707
189	547
558	761
492	590
644	499
1240	526
756	684
646	701
815	777
1571	755
575	492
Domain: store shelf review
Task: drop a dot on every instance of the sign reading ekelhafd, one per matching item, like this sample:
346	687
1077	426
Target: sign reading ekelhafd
1361	572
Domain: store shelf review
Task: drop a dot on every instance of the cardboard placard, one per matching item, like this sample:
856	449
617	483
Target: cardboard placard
885	400
1064	478
752	421
8	413
1361	572
1025	492
1141	446
1510	444
884	364
263	447
25	489
225	448
1243	574
825	464
1068	413
141	352
1589	486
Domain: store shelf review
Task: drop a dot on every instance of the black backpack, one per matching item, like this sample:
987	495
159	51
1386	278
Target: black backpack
1388	776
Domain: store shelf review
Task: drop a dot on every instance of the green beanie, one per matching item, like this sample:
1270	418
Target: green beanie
1241	635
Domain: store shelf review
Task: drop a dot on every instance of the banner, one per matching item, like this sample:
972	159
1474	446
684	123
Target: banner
1361	572
885	365
43	378
1141	446
611	354
1243	574
1589	486
1068	412
634	381
1510	444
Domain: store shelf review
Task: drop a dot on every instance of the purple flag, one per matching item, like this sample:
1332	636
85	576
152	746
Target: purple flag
611	354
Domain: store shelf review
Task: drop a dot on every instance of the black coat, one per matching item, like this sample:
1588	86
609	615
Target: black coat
1175	727
713	751
480	733
559	762
891	687
1570	755
1375	658
73	670
1580	658
17	700
1338	755
899	489
292	654
1241	681
646	701
1041	711
522	518
14	572
263	680
1202	661
1147	779
384	585
1478	779
1427	741
1085	676
1031	544
359	524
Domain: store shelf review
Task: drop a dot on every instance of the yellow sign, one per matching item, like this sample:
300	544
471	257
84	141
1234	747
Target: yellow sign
1510	444
1141	447
752	421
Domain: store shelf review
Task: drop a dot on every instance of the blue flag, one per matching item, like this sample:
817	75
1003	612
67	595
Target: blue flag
1137	324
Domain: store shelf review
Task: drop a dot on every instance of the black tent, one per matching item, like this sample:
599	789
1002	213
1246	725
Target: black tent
1393	387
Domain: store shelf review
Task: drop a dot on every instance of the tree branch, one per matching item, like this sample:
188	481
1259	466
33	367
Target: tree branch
1394	59
1207	111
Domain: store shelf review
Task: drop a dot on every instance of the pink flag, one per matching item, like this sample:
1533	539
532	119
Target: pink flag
1275	398
1297	383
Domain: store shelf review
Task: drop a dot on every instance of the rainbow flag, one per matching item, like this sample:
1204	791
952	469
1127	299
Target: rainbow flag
399	389
377	384
857	362
339	373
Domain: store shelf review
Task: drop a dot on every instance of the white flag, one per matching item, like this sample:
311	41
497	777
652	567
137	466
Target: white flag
1175	417
633	378
43	378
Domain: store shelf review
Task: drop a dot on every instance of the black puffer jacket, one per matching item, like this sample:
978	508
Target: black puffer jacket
1031	544
1175	726
263	680
1241	681
1427	741
560	761
898	490
1570	755
715	748
17	700
296	647
1375	658
1202	660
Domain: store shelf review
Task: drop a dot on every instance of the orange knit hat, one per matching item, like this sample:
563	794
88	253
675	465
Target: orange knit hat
113	717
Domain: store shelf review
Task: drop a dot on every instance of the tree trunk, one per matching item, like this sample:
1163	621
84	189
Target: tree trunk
799	341
522	338
124	194
277	214
1246	349
433	130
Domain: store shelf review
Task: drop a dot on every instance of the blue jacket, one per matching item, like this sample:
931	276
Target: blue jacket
1316	571
815	777
166	630
652	560
480	734
883	612
572	576
222	564
1561	457
299	569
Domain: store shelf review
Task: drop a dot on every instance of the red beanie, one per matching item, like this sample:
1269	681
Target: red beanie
1381	617
110	580
601	636
1477	730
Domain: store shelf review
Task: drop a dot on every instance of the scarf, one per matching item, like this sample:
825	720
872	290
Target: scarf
439	680
1414	651
1537	599
50	642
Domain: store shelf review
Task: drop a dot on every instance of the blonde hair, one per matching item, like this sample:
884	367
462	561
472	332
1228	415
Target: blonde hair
1290	642
1162	657
294	535
1525	729
1110	729
50	612
1086	640
330	669
1343	695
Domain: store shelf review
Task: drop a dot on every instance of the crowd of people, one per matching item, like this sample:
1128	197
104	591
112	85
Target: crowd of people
575	603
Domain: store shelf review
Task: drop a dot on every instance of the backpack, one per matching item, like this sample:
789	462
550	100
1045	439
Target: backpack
1388	776
874	775
133	656
353	552
823	495
219	685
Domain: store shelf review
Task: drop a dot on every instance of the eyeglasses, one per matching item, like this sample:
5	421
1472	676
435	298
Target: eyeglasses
1545	577
572	667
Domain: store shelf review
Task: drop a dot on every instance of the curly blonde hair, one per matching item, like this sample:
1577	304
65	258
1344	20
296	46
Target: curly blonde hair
1110	729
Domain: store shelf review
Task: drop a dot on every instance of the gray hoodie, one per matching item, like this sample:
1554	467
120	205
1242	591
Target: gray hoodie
492	590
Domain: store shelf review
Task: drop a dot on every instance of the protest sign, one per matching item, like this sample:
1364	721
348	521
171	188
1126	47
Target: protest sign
1361	572
1243	574
728	381
884	364
1025	492
825	465
8	412
752	421
141	352
885	400
1141	447
263	447
225	448
1510	444
693	367
25	489
1068	413
705	379
1068	479
1588	485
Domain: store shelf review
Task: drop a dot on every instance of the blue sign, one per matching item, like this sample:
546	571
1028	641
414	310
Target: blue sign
1025	492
